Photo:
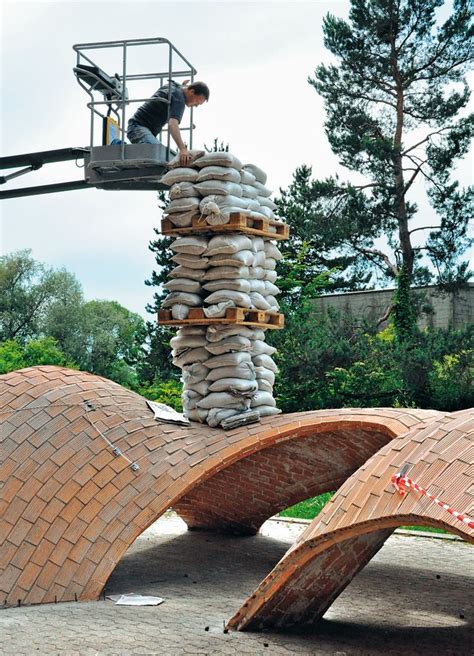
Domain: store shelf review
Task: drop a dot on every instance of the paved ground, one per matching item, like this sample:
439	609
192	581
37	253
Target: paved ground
415	597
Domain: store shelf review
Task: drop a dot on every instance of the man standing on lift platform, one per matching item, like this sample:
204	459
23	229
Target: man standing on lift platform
150	118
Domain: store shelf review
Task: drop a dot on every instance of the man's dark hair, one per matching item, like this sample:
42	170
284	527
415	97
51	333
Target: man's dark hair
200	89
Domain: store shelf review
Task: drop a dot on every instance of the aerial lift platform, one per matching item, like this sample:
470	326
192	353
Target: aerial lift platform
109	166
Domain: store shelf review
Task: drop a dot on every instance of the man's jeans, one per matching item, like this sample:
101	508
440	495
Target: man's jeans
137	133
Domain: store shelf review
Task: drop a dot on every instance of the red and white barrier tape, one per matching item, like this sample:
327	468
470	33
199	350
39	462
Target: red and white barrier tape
400	482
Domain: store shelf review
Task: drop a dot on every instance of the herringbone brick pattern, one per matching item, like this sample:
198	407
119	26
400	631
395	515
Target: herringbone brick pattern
70	508
362	514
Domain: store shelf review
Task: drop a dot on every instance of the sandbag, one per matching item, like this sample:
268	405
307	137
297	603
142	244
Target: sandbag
191	245
272	250
179	311
194	155
263	385
259	347
218	158
267	212
225	173
226	201
221	216
257	286
223	400
182	219
265	374
248	191
182	190
238	285
220	188
180	341
264	361
191	261
216	415
266	202
192	330
270	263
183	285
185	272
196	415
187	204
218	310
260	175
194	373
268	411
229	360
224	272
258	273
219	332
244	370
232	343
242	258
271	276
258	301
247	178
262	398
238	298
190	356
262	190
228	243
258	215
234	384
193	300
270	288
271	300
179	175
259	259
201	388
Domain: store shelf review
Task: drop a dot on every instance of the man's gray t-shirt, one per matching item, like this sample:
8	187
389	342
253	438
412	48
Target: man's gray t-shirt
154	113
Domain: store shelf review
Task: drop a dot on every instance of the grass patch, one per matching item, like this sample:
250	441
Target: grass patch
307	509
310	508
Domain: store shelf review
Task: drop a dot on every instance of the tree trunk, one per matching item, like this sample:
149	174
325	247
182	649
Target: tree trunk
400	204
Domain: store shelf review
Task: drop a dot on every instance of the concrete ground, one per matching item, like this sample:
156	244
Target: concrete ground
415	597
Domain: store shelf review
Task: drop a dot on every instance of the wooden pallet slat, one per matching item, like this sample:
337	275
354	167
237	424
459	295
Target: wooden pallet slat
237	315
238	222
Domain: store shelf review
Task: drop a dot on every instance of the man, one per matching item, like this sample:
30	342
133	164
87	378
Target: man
150	118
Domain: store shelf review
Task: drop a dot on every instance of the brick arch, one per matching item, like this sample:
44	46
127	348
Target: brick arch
71	508
361	516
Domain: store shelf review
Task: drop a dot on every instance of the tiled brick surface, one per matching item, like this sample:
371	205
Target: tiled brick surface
81	507
362	514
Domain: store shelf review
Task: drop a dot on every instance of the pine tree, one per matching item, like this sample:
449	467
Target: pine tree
394	104
155	364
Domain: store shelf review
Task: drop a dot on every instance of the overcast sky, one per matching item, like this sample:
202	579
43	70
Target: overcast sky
255	57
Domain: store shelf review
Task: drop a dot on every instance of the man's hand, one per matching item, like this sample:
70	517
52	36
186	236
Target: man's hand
184	156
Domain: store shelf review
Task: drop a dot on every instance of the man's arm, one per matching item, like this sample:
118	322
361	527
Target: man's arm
184	154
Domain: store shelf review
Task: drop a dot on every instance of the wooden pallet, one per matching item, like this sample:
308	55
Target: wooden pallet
238	222
239	316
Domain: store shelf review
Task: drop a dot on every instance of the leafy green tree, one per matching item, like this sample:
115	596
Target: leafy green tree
29	291
395	104
14	355
155	363
167	391
111	339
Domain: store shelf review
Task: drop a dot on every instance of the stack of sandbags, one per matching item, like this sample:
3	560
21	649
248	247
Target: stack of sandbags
223	271
226	370
241	273
215	185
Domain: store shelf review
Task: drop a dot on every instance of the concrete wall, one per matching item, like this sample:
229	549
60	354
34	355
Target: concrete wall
442	311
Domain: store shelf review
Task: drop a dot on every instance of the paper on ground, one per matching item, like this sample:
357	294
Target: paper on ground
133	599
163	412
